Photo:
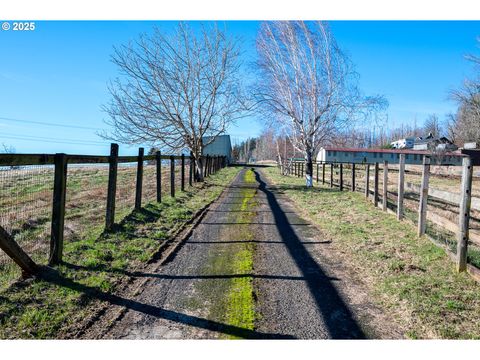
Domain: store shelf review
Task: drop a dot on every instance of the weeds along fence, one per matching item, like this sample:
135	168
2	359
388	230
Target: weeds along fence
49	199
442	201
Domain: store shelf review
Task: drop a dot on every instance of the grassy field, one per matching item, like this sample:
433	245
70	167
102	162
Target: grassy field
26	201
41	309
410	277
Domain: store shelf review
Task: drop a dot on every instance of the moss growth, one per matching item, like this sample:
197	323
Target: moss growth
231	299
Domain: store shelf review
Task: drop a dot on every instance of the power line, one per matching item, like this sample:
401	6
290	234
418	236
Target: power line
51	124
71	142
31	137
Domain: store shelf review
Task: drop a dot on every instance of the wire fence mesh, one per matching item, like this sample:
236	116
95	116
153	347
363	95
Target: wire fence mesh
26	201
86	198
25	213
125	195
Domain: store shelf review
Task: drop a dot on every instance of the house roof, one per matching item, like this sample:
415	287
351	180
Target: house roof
388	151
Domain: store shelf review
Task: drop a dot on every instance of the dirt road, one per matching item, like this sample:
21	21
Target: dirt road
252	268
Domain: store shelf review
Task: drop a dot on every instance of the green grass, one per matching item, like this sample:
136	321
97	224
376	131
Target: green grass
41	309
413	279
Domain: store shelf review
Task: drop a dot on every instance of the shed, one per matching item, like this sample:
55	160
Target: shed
371	156
221	146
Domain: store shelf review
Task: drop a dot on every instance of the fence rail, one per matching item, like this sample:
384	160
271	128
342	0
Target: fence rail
462	201
110	182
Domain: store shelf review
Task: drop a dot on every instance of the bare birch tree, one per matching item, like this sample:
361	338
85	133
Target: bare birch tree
466	123
176	89
308	84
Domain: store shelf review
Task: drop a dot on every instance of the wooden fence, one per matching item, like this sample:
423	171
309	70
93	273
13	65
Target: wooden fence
60	161
463	199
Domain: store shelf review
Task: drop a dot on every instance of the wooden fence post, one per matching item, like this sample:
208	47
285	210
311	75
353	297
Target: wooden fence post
341	177
302	171
58	209
375	186
367	180
11	248
317	173
183	173
191	168
331	175
464	214
112	187
158	158
385	186
172	176
353	177
323	173
422	207
138	193
401	186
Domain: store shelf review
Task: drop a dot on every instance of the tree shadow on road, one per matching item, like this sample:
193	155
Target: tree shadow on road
53	276
337	316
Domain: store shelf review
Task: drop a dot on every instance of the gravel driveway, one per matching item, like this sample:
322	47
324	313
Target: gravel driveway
299	290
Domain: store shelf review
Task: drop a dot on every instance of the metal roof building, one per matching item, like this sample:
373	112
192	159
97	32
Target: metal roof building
220	146
371	156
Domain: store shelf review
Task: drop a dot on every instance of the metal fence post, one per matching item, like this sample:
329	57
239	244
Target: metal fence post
464	214
58	209
112	187
158	163
138	192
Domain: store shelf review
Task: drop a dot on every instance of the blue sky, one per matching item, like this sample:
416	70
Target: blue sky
58	74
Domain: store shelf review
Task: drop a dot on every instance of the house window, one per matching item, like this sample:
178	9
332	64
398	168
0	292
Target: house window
329	152
415	157
334	153
374	155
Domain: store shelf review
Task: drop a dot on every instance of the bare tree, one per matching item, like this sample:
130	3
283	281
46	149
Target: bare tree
8	149
467	120
176	89
432	125
308	84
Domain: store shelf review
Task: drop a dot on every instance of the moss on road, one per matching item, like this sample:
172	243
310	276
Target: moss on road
232	299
